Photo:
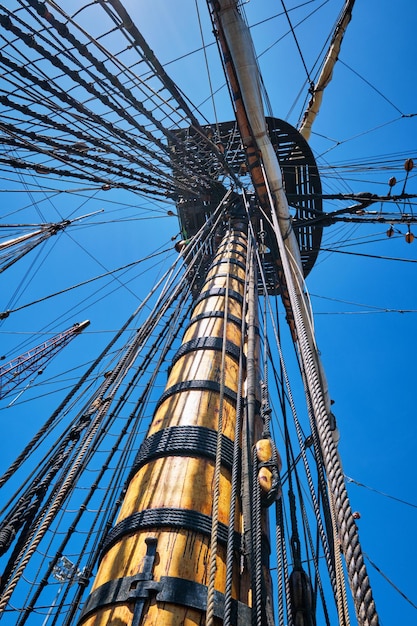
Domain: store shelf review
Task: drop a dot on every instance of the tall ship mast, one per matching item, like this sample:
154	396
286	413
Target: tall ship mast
176	480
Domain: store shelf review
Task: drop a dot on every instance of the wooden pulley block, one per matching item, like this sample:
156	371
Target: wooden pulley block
270	466
265	479
266	451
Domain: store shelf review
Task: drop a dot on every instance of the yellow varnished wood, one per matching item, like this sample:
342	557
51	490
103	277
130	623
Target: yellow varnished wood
264	449
194	408
180	482
213	327
222	282
170	615
213	303
176	482
180	553
204	365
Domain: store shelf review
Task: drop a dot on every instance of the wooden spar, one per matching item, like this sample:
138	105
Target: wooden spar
154	568
18	240
250	139
25	243
243	74
327	72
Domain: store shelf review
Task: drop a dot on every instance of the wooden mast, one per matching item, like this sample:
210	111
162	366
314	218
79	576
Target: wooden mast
155	564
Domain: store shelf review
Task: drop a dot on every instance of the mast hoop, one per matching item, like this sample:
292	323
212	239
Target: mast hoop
171	518
231	261
208	343
196	385
182	441
219	291
238	279
216	314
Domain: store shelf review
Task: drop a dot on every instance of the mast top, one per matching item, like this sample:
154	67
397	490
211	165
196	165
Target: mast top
301	182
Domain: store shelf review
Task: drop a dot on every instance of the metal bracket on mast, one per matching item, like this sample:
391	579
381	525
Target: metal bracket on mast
130	589
138	588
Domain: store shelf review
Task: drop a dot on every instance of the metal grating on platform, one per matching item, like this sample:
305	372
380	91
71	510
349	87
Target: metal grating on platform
301	181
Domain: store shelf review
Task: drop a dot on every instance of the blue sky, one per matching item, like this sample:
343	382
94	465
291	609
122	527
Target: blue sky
368	353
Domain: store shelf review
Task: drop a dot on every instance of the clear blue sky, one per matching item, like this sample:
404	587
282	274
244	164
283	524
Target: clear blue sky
368	347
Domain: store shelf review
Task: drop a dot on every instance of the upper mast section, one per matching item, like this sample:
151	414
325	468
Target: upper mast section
327	71
267	154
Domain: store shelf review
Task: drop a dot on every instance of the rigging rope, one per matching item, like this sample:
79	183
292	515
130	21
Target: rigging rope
235	483
168	335
257	577
342	607
300	437
358	577
104	397
39	531
108	88
82	283
96	158
14	466
296	43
